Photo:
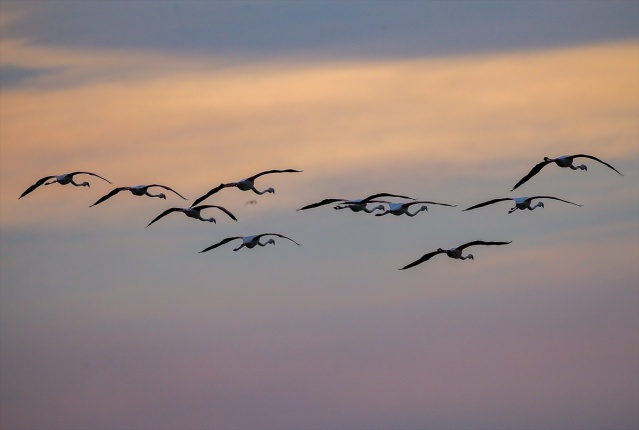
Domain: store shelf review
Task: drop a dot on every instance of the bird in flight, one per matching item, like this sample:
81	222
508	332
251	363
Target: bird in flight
194	212
64	179
452	252
563	161
398	209
138	190
247	184
249	241
520	203
356	205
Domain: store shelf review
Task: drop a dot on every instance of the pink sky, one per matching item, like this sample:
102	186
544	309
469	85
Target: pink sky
106	324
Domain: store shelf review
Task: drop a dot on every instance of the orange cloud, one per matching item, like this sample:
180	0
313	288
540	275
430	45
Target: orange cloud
146	117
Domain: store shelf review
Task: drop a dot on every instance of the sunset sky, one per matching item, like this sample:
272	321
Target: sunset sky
106	324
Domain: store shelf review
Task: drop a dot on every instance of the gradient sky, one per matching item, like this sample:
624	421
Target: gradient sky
107	325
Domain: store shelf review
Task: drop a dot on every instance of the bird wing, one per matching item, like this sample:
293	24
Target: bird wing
554	198
481	242
489	202
423	258
428	203
530	174
209	194
92	174
223	209
278	235
374	196
322	203
274	171
36	185
167	188
163	214
220	243
108	196
596	159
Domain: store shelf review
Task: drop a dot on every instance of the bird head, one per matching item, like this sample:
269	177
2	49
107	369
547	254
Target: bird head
470	257
424	208
270	190
212	220
162	196
540	204
583	167
441	250
86	184
547	159
271	241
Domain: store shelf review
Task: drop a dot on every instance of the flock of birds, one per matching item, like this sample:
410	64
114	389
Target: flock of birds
356	205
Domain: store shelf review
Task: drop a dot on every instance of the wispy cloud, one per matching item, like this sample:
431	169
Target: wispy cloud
202	122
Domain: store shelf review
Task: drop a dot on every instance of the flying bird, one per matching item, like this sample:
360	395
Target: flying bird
520	203
194	212
138	190
249	241
357	205
247	184
63	179
452	252
563	161
402	208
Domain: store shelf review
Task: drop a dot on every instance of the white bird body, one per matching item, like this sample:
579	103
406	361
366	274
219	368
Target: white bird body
138	190
250	241
194	212
398	209
455	253
360	206
521	203
246	184
64	179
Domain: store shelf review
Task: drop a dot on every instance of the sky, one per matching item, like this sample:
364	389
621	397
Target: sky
106	324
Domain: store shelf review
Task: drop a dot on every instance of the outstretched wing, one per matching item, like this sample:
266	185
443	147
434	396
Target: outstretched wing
423	202
274	171
530	174
596	159
92	174
36	185
322	203
423	258
108	196
554	198
220	243
278	235
163	214
207	195
223	209
375	196
489	202
481	242
167	188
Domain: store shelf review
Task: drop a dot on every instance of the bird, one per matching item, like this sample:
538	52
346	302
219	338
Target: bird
402	208
452	252
520	203
194	212
563	161
64	179
247	184
250	241
356	205
138	190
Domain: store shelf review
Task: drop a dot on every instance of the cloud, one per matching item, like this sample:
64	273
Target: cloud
139	117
